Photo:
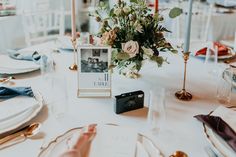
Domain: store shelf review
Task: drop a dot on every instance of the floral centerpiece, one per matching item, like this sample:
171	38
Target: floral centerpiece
134	33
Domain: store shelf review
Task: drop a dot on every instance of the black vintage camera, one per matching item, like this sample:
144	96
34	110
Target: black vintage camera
129	101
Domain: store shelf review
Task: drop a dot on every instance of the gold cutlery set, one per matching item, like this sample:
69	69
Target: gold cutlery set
20	135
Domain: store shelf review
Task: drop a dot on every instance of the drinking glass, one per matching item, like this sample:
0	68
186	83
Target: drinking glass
224	87
46	65
211	59
84	38
156	110
59	103
47	70
54	87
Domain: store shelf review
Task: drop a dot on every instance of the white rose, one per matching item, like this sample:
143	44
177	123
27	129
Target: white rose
117	11
126	9
131	48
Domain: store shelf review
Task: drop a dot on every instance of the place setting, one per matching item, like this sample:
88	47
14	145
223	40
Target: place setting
209	49
20	62
219	130
120	137
19	105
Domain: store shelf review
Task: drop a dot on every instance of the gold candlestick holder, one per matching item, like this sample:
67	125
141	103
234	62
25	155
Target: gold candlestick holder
74	65
183	94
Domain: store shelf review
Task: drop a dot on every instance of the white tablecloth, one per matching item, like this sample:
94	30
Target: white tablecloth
180	132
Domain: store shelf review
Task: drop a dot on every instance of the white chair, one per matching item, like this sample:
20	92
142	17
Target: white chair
201	19
43	26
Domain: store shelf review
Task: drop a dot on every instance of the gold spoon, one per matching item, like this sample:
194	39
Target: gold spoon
179	154
19	136
5	80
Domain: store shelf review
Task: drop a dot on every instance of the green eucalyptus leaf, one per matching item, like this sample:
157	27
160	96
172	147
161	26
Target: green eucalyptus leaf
134	1
138	64
174	51
159	60
111	14
175	12
122	56
102	4
155	17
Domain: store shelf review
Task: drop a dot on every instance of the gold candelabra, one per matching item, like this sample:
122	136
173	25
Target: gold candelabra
74	65
183	94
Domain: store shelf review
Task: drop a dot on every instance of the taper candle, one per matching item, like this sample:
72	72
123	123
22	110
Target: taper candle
73	23
156	6
188	27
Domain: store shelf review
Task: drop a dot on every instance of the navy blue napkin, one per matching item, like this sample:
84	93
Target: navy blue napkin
7	93
28	56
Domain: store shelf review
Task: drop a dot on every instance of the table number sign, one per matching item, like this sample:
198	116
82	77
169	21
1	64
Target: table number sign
94	77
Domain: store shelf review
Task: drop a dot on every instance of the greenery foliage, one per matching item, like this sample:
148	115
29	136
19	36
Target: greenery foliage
135	34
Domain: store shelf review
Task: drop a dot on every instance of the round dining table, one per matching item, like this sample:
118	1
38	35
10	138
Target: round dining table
180	130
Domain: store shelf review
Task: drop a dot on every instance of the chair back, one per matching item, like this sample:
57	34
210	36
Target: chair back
43	26
201	20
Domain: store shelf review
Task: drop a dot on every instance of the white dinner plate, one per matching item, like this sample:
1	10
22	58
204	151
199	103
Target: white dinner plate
22	117
198	45
218	144
60	145
12	66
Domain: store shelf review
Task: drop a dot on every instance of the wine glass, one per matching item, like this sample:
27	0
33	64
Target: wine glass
156	110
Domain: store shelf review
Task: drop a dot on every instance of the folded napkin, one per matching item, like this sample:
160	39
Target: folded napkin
7	93
28	56
219	125
222	50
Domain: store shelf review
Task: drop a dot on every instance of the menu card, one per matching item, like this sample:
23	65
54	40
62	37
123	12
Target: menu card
114	141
